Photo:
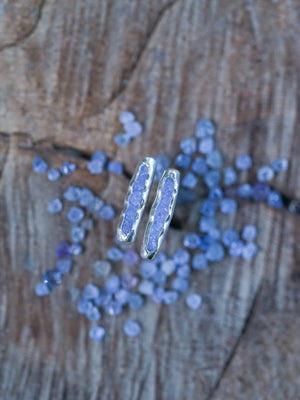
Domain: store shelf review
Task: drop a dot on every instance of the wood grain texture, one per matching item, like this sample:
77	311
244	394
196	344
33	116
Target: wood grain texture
67	69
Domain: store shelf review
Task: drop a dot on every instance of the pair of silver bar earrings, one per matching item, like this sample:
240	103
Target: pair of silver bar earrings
161	212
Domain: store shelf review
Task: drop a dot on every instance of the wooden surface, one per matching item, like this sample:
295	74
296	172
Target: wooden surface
67	69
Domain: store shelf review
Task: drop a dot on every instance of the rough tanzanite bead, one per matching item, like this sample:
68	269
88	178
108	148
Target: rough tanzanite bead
131	257
188	146
160	278
95	167
199	261
115	167
249	251
214	159
265	174
206	145
84	306
135	301
72	193
64	266
93	314
215	252
42	289
90	291
55	206
107	213
228	206
161	257
208	208
243	162
170	297
193	301
236	248
199	166
97	333
67	168
122	139
215	193
245	190
249	232
191	240
180	284
206	224
95	205
183	160
183	271
122	296
229	236
181	257
168	267
212	178
112	284
102	268
100	156
76	249
280	164
113	308
77	234
230	176
53	174
275	199
39	165
51	278
86	197
204	128
126	116
114	254
129	281
189	181
158	294
133	129
148	269
75	214
260	192
62	250
132	328
146	287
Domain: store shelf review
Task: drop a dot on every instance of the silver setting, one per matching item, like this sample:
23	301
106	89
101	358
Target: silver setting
150	162
175	176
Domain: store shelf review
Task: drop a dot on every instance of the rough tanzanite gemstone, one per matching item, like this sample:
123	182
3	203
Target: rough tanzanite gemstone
265	174
191	240
53	174
199	261
249	251
199	166
64	266
161	257
86	197
132	328
97	333
260	192
95	205
100	156
122	296
114	254
39	165
90	291
215	252
84	306
208	208
115	167
42	289
95	167
133	129
160	278
93	314
126	116
214	159
135	301
215	233
245	190
122	139
212	178
215	193
228	206
236	248
206	145
148	269
181	257
146	287
107	213
193	301
249	232
67	168
204	128
168	267
275	199
170	297
55	206
51	278
103	299
230	176
189	181
62	250
129	281
229	236
280	164
72	193
243	162
158	294
188	146
162	163
112	284
183	160
77	234
131	257
207	224
76	249
113	308
183	271
180	284
102	268
75	214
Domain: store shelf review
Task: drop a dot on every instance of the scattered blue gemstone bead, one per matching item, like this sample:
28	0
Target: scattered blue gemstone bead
199	261
107	213
181	257
275	199
265	174
214	159
191	240
245	190
230	176
135	301
95	166
249	232
84	306
122	296
42	289
53	175
132	328
243	162
206	145
122	139
206	241
228	206
188	146
72	193
161	257
229	236
75	214
158	294
64	266
113	308
249	251
93	314
62	250
160	278
102	268
95	205
115	167
183	271
199	166
76	249
112	284
131	257
208	208
39	165
183	160
180	284
162	163
55	206
100	156
207	224
103	299
215	193
215	252
193	301
170	297
148	269
280	164
126	116
67	168
168	267
215	233
212	178
90	291
133	129
77	234
97	333
204	128
129	281
114	254
260	192
51	278
86	197
236	248
189	181
146	287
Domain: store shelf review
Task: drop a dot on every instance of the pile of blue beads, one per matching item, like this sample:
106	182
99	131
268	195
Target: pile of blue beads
165	278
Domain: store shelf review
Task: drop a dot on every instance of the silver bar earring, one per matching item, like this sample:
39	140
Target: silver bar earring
136	199
161	213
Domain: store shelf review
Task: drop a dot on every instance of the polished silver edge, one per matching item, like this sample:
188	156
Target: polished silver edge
130	237
175	176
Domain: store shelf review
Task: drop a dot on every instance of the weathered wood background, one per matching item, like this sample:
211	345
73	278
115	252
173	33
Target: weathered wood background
67	69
